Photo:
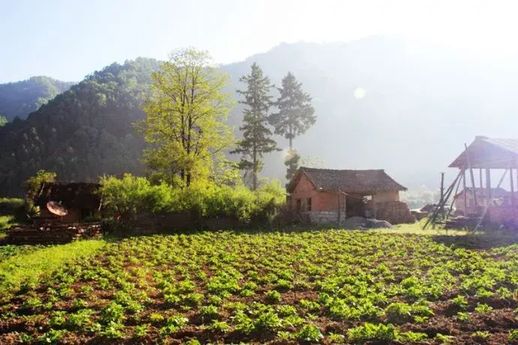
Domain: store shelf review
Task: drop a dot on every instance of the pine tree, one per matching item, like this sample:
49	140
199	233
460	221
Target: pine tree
295	116
256	133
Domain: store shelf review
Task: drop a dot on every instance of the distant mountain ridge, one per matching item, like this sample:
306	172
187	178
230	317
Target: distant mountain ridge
83	133
419	107
21	98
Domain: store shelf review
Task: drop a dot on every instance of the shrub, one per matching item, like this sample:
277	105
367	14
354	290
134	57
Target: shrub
129	196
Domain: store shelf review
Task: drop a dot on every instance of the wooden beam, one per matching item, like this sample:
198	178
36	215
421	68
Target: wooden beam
512	185
442	188
488	185
472	175
465	192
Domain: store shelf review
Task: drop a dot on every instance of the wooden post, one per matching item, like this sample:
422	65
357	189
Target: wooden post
474	191
442	189
339	208
465	192
488	185
512	185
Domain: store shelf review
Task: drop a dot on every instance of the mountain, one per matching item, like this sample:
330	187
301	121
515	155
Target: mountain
380	103
21	98
420	104
82	133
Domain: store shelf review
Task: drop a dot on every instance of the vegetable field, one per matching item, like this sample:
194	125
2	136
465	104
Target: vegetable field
329	286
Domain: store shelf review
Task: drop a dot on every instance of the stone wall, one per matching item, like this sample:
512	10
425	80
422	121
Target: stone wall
395	212
322	217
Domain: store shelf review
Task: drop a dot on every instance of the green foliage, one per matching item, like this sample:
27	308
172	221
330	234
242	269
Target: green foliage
398	312
27	268
132	195
9	206
185	118
481	335
33	185
82	133
21	98
372	332
310	333
6	222
3	121
53	336
296	114
173	324
154	288
257	136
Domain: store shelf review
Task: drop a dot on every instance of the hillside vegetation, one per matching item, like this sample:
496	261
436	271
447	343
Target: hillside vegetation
21	98
83	133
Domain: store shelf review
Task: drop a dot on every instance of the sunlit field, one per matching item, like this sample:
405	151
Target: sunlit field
328	286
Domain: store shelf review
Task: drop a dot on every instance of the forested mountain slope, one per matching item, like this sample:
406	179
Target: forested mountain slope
84	132
21	98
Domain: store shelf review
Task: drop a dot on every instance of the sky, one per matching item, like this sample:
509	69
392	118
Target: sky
68	39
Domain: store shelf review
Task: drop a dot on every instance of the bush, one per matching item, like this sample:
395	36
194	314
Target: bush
130	195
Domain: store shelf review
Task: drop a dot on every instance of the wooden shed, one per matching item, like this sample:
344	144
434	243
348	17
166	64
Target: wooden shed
80	200
485	166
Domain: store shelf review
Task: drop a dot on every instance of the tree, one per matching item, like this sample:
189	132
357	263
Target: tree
256	134
33	185
3	121
295	116
292	163
185	117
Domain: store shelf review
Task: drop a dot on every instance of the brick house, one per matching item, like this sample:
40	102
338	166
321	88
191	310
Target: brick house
331	196
499	197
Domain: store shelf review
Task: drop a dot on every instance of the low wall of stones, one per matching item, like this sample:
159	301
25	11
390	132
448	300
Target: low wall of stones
395	212
322	217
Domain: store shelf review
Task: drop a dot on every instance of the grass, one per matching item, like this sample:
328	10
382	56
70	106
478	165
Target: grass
325	286
28	267
6	221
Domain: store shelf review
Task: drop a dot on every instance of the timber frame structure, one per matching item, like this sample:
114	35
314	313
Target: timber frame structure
480	160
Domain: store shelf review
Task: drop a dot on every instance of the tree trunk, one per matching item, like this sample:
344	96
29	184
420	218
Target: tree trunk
254	170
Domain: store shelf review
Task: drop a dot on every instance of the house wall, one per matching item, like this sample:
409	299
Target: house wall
320	201
386	196
474	209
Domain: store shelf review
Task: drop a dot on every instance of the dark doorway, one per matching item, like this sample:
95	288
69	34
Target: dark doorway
355	206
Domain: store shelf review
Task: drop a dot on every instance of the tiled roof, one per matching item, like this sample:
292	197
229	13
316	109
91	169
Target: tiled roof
348	181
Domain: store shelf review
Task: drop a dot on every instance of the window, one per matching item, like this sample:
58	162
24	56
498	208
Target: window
309	204
299	204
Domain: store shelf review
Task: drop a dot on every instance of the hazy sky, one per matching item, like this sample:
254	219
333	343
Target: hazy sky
67	39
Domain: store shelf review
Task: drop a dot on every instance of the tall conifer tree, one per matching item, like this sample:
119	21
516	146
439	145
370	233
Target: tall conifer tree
257	136
295	116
